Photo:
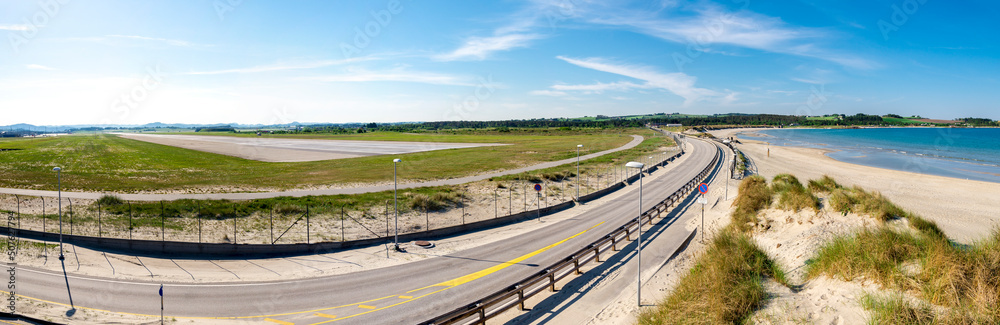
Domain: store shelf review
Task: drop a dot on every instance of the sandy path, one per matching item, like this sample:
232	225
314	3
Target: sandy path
636	140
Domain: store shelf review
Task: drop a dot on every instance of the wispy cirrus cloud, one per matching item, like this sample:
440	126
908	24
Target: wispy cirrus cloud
39	67
677	83
16	28
704	24
546	92
397	75
136	39
479	48
283	66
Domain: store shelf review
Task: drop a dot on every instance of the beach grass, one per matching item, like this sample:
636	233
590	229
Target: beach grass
964	279
754	196
111	163
725	286
792	195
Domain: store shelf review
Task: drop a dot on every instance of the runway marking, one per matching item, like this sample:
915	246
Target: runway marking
366	307
405	297
443	286
325	315
279	321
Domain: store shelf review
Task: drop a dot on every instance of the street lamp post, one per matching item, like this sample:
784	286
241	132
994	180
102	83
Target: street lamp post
395	200
578	171
638	247
59	182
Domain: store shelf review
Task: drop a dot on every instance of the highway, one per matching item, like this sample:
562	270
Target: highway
402	294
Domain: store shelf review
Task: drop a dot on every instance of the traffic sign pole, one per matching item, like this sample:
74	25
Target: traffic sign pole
703	189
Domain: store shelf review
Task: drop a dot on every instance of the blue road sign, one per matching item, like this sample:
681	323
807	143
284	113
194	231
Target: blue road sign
161	290
703	188
538	187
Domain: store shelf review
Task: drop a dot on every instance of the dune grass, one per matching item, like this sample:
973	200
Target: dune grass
724	287
965	279
111	163
754	196
792	196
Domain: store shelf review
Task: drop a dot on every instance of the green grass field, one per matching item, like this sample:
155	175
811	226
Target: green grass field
901	120
110	163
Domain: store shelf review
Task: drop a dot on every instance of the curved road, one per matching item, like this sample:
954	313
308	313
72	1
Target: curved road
402	294
636	140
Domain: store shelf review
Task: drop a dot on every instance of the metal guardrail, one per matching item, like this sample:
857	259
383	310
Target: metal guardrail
479	311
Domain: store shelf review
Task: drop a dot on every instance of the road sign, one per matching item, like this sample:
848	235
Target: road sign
161	290
703	188
538	187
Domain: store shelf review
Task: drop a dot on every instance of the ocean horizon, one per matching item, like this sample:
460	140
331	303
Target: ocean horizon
964	153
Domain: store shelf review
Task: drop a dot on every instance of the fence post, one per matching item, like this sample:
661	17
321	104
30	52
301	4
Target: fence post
99	219
234	223
427	215
163	236
524	196
129	220
271	219
387	218
496	208
44	221
18	199
307	224
342	237
197	214
70	216
510	200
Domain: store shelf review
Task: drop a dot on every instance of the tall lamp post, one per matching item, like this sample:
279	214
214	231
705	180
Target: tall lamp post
578	171
59	180
638	247
395	200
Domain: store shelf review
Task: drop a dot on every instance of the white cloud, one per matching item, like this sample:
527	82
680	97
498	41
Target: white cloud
479	48
14	27
280	67
678	83
38	67
600	87
397	76
546	92
154	39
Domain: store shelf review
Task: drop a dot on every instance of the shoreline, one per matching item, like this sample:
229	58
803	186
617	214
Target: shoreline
967	210
957	167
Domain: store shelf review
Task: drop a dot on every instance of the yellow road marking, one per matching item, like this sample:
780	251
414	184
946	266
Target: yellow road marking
325	315
405	297
6	322
447	285
279	321
465	279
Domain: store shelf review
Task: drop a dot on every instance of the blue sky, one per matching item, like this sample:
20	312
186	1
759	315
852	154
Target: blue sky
250	61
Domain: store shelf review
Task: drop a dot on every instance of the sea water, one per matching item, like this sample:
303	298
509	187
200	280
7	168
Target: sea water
966	153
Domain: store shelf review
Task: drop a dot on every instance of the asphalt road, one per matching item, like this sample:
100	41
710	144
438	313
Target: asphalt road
636	140
402	294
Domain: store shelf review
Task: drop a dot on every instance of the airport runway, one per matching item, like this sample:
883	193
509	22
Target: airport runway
294	150
636	140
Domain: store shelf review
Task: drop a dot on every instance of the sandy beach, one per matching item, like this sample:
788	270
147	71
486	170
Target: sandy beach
966	210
